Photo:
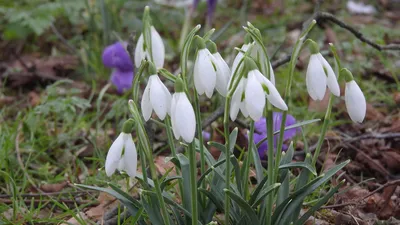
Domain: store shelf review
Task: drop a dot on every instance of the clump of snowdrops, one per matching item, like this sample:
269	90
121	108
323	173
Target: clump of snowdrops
222	187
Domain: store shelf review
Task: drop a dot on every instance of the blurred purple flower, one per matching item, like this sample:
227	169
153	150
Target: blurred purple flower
116	57
211	6
260	132
206	135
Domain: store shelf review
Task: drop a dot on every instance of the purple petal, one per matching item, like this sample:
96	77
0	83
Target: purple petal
206	135
211	5
115	56
261	132
122	80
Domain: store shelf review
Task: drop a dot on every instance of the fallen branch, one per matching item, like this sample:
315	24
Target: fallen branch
321	16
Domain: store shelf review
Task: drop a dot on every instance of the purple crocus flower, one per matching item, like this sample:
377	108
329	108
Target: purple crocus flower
116	57
260	132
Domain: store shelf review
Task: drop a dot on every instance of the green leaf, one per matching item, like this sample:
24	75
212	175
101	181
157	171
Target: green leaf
152	207
209	170
264	193
303	179
257	164
133	209
217	145
167	180
257	190
283	191
184	162
297	198
303	165
251	214
318	205
232	139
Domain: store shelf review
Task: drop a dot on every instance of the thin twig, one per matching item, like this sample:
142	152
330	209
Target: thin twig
321	16
21	163
357	202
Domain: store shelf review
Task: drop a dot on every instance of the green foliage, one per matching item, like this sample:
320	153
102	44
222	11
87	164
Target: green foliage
22	17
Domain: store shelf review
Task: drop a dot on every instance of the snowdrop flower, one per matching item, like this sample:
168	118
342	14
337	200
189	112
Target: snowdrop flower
182	114
205	74
223	71
155	96
250	94
354	98
319	75
239	57
122	154
157	49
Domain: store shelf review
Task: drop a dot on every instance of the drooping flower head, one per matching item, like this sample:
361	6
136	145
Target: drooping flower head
155	96
250	94
354	98
182	114
122	154
319	75
260	132
210	70
116	57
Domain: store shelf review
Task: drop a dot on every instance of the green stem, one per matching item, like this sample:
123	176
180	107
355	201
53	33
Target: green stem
145	143
193	184
271	171
173	151
200	136
248	161
323	130
185	28
227	155
292	65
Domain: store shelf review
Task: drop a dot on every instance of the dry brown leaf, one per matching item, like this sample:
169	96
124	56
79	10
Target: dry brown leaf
49	188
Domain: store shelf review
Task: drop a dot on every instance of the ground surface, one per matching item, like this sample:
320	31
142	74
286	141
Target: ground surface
56	132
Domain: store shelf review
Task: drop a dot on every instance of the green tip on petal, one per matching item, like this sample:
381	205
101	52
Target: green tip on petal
128	126
179	84
348	76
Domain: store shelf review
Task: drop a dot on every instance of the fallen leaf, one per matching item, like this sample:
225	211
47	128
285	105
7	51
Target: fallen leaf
49	188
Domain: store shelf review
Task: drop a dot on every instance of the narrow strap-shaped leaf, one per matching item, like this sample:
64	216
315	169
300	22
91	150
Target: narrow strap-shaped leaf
303	165
217	145
318	205
251	214
232	139
264	193
152	207
167	180
298	197
209	170
184	161
257	164
238	177
283	191
258	189
213	198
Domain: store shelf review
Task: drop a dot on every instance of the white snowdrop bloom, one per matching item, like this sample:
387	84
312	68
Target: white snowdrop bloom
239	57
319	75
355	102
254	97
122	156
182	117
155	96
205	73
223	74
270	91
237	100
157	49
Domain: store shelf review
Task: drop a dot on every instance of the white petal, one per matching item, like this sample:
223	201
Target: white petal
254	97
315	78
332	82
238	57
243	109
139	52
205	72
197	72
355	102
273	96
130	157
114	155
157	48
160	97
175	130
185	118
223	74
145	103
236	99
